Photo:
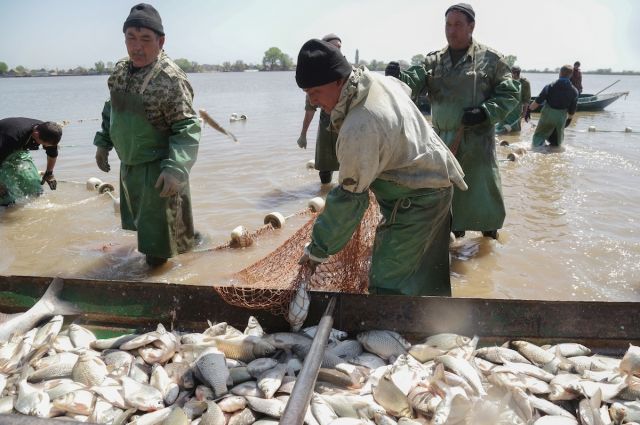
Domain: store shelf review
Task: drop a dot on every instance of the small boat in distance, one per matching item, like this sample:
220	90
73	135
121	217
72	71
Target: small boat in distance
594	102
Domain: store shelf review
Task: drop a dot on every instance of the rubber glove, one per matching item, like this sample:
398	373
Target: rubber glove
527	115
473	116
102	159
169	183
309	260
302	141
50	179
567	122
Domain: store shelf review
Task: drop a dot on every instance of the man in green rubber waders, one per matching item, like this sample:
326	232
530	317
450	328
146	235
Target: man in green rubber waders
326	161
512	121
386	145
151	123
470	89
560	100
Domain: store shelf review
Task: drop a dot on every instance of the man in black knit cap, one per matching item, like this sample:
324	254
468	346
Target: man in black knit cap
386	145
150	122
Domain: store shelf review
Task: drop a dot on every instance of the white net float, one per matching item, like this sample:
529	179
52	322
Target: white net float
592	128
316	204
628	130
240	237
504	143
93	183
106	187
311	164
276	220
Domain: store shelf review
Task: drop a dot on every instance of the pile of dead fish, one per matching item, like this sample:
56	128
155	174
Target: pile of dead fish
227	376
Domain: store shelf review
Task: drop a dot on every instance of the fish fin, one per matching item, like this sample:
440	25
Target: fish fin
53	303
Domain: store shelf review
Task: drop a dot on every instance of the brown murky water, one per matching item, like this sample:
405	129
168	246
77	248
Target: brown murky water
571	233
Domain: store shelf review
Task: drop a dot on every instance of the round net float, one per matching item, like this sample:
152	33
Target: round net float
93	183
275	219
520	151
311	164
592	128
513	156
106	187
316	204
628	130
116	205
240	237
504	143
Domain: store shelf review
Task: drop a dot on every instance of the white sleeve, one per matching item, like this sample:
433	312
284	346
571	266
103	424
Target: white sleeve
361	151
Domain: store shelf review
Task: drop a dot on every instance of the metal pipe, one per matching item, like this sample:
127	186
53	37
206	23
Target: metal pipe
296	408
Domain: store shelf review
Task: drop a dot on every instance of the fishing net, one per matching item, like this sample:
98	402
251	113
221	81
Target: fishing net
272	282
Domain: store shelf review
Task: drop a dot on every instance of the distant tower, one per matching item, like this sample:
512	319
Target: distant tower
357	57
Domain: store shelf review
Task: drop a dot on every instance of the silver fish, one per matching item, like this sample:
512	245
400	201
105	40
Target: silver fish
500	354
347	349
321	410
81	402
253	327
630	363
232	404
243	417
112	394
257	366
47	306
386	344
569	349
89	370
194	408
48	332
239	374
142	396
244	347
533	353
104	412
424	352
161	381
80	337
447	341
464	369
214	370
32	401
271	407
57	366
214	415
249	388
112	343
118	362
389	396
334	336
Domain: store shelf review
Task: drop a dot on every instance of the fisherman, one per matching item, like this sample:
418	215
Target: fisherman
470	89
151	122
512	121
384	144
19	177
560	100
325	160
576	77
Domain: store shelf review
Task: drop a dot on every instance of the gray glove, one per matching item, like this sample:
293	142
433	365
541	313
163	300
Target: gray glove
169	183
302	141
102	159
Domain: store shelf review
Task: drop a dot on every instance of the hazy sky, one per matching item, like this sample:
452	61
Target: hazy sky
541	33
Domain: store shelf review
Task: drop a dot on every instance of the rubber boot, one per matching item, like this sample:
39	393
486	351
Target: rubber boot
155	261
325	176
490	234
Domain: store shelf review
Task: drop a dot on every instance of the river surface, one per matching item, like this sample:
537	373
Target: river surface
572	230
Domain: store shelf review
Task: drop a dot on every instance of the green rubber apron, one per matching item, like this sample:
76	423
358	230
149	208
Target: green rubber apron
481	207
512	120
550	127
326	158
411	248
20	176
164	224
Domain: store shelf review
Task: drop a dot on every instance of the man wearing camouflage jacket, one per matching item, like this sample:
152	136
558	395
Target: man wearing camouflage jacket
150	121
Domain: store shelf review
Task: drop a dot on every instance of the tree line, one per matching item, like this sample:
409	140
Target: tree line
274	59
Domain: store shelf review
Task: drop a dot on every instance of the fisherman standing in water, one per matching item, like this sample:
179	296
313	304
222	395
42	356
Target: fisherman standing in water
150	122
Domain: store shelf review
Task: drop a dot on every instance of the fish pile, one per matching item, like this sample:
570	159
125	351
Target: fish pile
227	376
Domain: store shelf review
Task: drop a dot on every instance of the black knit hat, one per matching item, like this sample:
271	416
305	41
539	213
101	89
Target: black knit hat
144	15
464	8
320	63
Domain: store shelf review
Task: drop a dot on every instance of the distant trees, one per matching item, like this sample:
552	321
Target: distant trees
3	68
275	60
417	60
511	60
100	68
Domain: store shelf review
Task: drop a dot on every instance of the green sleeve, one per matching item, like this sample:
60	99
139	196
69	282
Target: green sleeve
416	78
505	95
340	218
183	147
103	138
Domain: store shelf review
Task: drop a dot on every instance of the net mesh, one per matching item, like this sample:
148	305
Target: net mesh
271	282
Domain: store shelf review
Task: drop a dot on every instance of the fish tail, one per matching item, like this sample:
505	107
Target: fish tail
53	303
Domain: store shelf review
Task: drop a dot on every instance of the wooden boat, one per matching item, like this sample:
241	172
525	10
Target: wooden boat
594	102
116	306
